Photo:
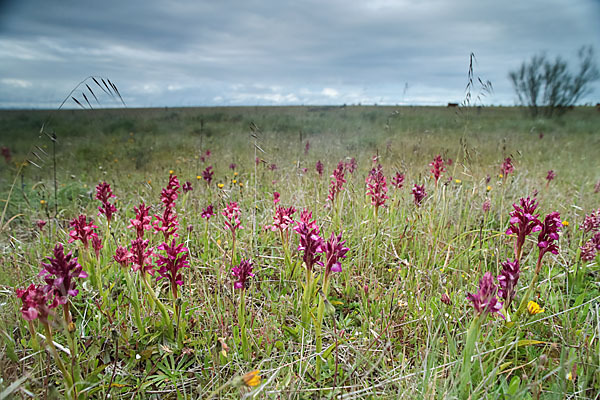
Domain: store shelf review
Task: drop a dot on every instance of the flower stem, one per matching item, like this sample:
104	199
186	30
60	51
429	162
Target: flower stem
136	304
165	314
465	375
70	390
242	323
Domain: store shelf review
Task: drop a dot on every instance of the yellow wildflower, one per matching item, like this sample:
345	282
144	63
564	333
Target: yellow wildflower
220	185
569	376
234	181
457	181
198	177
488	188
171	172
500	176
250	379
241	184
534	308
235	174
565	223
42	202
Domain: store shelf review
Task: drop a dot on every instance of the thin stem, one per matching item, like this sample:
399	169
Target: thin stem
165	315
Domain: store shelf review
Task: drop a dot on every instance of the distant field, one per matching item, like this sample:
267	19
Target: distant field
389	333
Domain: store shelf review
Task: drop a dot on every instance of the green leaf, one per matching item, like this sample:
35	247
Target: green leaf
529	342
514	385
10	347
290	331
327	353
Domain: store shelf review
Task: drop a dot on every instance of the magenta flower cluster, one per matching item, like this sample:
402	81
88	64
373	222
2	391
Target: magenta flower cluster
208	212
351	165
523	222
336	185
104	194
59	273
187	187
82	230
34	301
243	272
333	250
319	168
507	167
591	248
232	217
142	221
282	219
507	280
397	180
485	300
591	224
548	237
377	186
419	194
175	258
310	241
167	222
6	154
207	174
437	167
141	259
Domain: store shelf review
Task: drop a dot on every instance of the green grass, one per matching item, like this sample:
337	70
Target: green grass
390	335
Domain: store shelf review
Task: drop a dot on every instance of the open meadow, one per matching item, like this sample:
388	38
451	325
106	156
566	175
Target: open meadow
300	252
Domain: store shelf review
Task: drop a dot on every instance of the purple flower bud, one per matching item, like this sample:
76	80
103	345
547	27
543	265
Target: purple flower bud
419	194
508	279
485	301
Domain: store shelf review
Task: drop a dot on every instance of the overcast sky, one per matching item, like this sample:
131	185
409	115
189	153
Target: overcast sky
276	52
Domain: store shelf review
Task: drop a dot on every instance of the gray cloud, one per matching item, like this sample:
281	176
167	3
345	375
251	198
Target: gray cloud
270	52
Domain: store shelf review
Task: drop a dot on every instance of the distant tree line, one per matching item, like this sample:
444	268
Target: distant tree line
549	87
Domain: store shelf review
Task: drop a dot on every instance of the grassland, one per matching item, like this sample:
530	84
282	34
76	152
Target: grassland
390	335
